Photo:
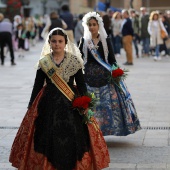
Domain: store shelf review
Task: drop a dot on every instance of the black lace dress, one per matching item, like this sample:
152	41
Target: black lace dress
59	132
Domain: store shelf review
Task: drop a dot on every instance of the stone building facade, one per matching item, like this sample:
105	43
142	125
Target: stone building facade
151	5
81	6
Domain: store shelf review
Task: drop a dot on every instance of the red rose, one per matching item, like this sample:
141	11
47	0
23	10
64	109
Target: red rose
77	102
82	102
116	73
86	100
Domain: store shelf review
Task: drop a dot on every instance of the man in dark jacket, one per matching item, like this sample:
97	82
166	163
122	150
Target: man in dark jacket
6	38
69	20
127	33
145	37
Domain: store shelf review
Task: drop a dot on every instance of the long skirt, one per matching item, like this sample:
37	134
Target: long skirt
115	111
24	157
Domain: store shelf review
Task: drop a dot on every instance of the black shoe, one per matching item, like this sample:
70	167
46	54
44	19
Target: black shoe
128	64
2	63
13	64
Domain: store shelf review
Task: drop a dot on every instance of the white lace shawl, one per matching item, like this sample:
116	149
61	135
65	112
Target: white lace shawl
68	67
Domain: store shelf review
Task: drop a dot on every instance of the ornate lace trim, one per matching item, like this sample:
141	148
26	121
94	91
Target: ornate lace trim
68	67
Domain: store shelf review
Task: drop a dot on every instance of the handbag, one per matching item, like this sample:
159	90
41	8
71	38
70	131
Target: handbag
163	34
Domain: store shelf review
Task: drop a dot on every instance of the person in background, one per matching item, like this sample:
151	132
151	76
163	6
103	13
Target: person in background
27	24
68	18
136	28
33	31
40	25
6	38
79	30
16	22
20	37
168	20
154	28
116	31
107	25
166	24
145	37
53	22
127	34
56	21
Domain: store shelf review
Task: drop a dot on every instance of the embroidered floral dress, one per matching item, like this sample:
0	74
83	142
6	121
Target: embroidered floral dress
115	111
52	135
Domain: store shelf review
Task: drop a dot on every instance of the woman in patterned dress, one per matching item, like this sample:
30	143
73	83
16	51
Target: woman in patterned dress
115	111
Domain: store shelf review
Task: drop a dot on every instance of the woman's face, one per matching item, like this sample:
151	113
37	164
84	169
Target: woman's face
155	17
93	26
57	43
118	16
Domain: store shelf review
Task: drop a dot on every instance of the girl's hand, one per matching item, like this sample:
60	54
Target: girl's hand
85	111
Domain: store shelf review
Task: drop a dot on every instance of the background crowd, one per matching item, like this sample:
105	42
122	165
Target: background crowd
128	29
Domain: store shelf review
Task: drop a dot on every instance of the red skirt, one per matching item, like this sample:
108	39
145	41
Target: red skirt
24	157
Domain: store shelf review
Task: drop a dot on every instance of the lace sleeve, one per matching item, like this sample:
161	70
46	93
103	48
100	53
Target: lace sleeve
79	78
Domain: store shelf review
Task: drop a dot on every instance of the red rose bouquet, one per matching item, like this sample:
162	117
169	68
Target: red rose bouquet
118	75
84	104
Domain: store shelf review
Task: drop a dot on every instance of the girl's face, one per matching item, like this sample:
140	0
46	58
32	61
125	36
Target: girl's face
57	43
93	26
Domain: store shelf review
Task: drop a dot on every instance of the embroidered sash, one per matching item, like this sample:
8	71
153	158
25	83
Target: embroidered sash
97	57
50	69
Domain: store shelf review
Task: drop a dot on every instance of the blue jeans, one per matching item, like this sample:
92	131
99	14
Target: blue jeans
135	42
117	44
146	45
157	50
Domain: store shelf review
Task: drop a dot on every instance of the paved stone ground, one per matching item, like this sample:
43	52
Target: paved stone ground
148	82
